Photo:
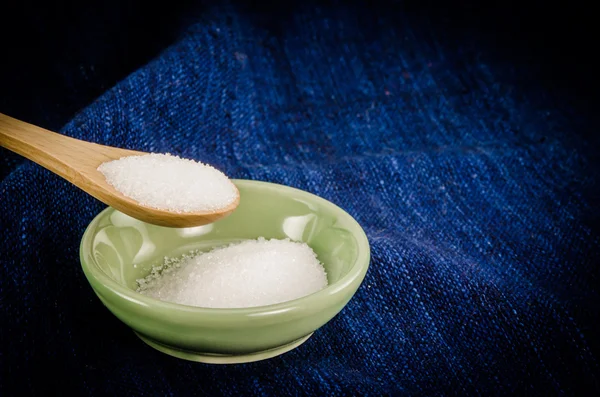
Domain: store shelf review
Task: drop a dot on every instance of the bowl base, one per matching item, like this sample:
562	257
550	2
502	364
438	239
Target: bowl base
211	358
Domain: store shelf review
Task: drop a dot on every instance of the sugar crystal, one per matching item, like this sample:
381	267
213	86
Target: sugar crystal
170	183
251	273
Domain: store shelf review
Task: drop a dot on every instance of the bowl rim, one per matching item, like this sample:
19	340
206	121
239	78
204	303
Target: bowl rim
355	275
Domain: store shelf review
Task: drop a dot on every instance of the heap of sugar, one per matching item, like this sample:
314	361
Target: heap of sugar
251	273
170	183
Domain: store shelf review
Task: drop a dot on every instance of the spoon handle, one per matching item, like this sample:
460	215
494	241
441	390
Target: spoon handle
46	148
63	155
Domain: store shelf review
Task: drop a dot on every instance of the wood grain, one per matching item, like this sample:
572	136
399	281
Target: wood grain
77	162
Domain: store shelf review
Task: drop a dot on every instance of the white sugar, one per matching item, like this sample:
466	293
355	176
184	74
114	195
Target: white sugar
170	183
251	273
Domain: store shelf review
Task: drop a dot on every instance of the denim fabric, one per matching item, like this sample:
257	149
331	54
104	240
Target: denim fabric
470	178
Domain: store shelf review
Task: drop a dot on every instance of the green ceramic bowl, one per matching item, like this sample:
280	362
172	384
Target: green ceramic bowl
116	250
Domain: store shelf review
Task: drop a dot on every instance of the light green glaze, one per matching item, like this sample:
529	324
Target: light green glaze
117	249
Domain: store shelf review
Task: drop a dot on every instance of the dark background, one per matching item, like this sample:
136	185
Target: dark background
57	57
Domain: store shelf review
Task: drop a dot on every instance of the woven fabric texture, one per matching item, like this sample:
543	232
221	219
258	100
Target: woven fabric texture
469	178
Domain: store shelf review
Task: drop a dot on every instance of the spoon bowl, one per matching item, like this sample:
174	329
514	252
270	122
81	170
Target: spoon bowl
77	161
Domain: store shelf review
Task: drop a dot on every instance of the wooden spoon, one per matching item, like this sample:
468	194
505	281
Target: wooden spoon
77	162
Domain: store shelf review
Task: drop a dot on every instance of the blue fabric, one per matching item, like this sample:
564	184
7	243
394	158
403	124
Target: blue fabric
472	179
